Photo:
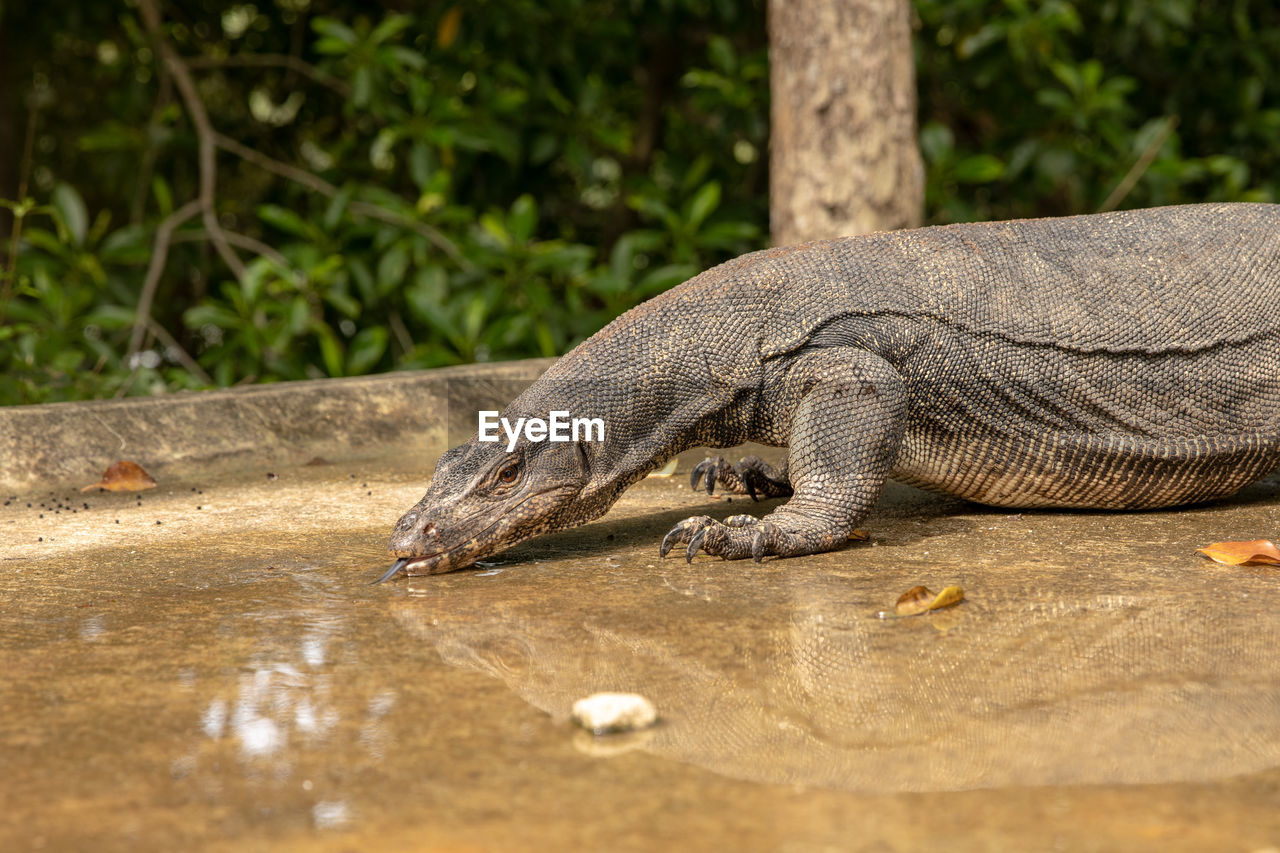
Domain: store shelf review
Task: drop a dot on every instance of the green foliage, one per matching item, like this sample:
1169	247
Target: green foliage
1045	108
67	308
499	179
482	181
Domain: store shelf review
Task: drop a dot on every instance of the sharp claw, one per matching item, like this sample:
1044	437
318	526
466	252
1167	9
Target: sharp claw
749	481
669	540
696	475
391	572
694	544
757	544
711	478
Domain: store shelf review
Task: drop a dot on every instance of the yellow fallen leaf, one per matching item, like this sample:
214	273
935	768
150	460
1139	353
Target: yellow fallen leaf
1256	552
949	596
123	476
859	535
666	470
919	600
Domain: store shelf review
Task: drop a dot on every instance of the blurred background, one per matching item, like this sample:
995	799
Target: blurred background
200	194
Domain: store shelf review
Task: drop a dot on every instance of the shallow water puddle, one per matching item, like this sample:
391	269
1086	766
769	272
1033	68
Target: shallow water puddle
227	677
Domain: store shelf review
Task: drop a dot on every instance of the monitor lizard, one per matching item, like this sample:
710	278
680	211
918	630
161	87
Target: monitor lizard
1118	360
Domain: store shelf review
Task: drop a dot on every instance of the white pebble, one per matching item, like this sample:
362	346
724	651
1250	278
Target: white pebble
604	713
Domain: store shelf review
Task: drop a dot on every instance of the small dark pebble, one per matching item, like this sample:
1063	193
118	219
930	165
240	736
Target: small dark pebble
199	507
371	491
42	515
117	521
201	492
86	506
41	539
271	476
364	485
157	521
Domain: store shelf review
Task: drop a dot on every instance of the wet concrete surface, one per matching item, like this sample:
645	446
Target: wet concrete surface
227	678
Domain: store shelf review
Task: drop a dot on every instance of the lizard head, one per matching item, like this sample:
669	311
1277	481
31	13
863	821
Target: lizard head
483	499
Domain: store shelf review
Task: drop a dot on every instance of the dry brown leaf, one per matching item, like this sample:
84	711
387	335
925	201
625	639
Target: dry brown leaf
124	476
919	600
1254	553
859	535
913	601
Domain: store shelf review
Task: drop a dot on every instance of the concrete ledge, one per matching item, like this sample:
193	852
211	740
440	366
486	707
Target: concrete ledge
187	435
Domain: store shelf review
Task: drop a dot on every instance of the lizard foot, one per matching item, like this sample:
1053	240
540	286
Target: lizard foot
737	537
751	476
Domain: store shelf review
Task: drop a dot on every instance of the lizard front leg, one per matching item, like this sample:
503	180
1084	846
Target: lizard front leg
847	420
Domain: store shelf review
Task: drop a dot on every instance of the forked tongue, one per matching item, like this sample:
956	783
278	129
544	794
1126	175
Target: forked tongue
392	572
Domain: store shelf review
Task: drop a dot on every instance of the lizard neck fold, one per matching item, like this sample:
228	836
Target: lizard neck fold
660	384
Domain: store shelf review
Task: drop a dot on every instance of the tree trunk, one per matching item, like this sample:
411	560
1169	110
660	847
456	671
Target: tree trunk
843	154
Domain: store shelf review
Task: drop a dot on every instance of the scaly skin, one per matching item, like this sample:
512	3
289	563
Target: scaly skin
1122	360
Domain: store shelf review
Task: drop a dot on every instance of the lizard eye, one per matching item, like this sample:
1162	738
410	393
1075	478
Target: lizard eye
509	474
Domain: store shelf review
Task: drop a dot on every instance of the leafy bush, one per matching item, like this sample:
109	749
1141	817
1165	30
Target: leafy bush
1041	109
498	179
474	182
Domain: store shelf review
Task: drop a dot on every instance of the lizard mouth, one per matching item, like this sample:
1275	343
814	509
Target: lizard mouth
427	564
470	550
407	565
